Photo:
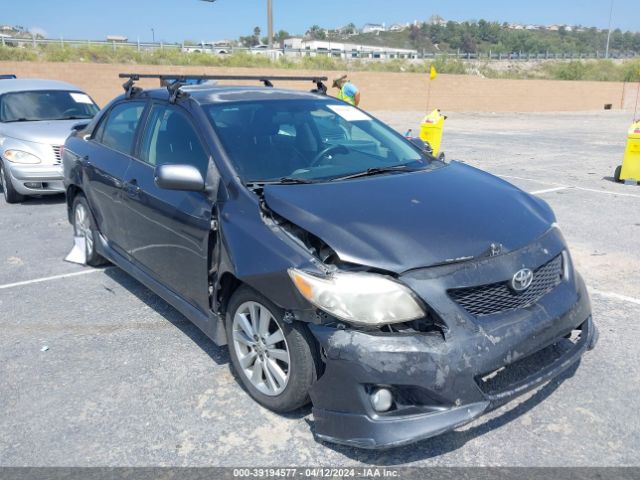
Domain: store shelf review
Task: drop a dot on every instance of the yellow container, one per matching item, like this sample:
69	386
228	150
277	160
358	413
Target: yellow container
431	130
630	169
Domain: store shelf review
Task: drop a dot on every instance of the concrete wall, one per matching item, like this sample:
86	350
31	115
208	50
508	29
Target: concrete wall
380	91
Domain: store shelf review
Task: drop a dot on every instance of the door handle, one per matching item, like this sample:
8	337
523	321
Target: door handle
132	188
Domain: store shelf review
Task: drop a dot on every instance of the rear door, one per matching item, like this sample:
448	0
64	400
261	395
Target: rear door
168	230
109	153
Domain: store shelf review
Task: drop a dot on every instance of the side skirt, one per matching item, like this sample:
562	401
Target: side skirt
211	325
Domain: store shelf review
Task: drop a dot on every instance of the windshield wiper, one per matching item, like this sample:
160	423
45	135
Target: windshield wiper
377	171
293	181
15	120
282	181
75	117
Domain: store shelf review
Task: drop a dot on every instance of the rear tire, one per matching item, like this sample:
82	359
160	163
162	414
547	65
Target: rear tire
616	175
10	193
84	226
276	362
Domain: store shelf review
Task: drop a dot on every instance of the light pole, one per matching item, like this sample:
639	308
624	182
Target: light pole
606	54
153	35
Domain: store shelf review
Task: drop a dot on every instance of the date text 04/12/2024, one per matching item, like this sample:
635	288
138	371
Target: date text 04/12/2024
365	472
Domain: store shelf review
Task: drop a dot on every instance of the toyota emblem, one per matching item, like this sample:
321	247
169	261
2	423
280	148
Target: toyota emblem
522	280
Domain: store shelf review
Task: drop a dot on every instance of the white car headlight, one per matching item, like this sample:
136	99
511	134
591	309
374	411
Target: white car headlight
18	156
360	298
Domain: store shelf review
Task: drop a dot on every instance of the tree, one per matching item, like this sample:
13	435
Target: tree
469	44
350	29
281	36
317	33
251	40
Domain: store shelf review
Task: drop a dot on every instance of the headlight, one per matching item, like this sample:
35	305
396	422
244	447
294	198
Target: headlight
18	156
361	298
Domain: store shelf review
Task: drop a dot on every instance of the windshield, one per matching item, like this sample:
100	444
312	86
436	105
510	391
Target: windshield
301	141
46	105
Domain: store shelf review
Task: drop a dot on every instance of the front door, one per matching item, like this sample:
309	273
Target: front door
168	230
108	157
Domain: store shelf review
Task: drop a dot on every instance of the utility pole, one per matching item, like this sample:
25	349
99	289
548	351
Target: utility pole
153	35
270	22
606	54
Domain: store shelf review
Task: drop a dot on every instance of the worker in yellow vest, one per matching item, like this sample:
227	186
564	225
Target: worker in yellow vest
347	91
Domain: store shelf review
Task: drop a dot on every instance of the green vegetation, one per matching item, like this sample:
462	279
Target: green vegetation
483	37
597	70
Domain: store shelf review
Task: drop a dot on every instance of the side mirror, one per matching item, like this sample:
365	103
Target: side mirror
422	145
80	126
179	177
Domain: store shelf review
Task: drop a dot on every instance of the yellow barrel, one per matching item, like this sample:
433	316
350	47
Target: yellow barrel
431	130
631	163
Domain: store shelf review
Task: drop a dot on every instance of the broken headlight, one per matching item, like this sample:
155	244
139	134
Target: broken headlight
359	298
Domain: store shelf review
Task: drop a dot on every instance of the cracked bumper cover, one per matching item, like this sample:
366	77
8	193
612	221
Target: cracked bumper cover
443	375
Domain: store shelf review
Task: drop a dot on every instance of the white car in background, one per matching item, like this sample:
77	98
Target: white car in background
36	117
266	51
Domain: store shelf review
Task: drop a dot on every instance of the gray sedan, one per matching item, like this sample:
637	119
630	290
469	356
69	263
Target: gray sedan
36	116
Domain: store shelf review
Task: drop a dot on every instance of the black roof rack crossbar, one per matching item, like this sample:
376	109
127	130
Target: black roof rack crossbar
175	81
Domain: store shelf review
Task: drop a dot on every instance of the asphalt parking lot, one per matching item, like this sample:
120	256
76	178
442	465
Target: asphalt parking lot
127	381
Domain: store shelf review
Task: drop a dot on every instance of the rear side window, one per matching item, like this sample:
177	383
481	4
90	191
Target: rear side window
118	130
171	139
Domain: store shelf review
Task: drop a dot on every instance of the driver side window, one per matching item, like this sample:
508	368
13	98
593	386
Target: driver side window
170	138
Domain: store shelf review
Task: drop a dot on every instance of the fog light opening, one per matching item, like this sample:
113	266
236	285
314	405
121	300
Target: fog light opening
33	185
381	400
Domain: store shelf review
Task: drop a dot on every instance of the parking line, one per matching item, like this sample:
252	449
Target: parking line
49	279
548	190
615	296
573	187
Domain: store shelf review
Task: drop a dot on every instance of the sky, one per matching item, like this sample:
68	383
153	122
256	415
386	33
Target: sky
197	20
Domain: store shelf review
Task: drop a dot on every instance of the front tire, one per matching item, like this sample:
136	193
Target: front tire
276	362
84	226
10	193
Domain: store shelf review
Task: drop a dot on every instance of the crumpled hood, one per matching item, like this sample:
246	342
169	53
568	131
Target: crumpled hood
47	132
400	222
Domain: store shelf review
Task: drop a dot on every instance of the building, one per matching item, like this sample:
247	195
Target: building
437	20
373	28
398	27
313	48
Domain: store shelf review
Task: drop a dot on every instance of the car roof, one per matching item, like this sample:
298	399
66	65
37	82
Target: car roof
207	93
33	84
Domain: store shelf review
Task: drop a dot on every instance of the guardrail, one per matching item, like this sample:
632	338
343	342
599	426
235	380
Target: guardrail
357	52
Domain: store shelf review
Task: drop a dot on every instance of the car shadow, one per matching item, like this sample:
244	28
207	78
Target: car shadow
218	354
44	200
450	441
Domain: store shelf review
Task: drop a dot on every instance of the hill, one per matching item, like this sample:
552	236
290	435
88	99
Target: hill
483	36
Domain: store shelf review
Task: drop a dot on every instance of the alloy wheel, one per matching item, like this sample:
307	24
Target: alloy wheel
261	348
82	224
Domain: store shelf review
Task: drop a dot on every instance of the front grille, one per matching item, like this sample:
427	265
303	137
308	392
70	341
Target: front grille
501	381
499	297
57	153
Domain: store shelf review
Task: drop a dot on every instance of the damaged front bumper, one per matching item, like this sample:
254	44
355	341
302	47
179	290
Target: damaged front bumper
440	382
